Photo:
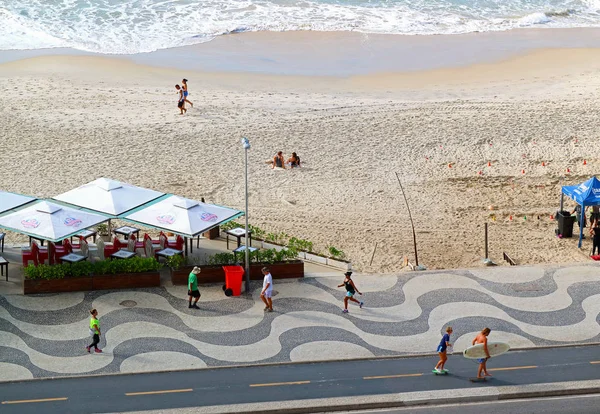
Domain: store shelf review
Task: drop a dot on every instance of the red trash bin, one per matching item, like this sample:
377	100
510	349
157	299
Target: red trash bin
233	280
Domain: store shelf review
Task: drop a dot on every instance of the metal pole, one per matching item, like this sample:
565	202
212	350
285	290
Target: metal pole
411	221
247	249
486	240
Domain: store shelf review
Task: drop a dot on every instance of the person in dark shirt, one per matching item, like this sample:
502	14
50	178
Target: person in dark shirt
441	350
595	232
351	290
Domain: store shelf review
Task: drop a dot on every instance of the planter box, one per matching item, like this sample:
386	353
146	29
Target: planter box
209	274
280	270
126	281
212	233
89	283
71	284
215	274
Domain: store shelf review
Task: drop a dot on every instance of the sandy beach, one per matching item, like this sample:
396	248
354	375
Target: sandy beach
531	113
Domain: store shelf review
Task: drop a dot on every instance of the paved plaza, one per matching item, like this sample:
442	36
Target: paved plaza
153	329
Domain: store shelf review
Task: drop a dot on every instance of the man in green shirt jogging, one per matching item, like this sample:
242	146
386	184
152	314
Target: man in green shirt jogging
193	291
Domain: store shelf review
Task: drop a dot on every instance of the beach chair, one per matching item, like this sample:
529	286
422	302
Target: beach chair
42	253
178	244
51	253
138	244
30	255
62	250
105	249
148	248
131	244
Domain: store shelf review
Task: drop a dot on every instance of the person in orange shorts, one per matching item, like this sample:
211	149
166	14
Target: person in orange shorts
481	338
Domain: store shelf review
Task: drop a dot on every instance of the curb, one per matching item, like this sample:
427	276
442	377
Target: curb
410	399
272	364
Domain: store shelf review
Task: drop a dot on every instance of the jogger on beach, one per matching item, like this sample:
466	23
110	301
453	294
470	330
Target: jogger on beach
94	332
351	290
441	349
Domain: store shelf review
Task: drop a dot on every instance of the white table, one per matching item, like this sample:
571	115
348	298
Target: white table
127	230
73	258
123	254
238	233
85	234
168	252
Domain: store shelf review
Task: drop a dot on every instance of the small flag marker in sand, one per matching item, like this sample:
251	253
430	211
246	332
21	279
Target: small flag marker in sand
584	162
568	170
480	172
510	218
489	163
543	164
525	218
522	171
449	165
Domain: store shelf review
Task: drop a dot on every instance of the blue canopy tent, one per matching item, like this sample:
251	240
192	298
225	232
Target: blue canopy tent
585	194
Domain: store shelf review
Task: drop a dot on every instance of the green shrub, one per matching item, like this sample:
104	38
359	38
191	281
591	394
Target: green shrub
300	244
336	253
175	261
221	259
85	268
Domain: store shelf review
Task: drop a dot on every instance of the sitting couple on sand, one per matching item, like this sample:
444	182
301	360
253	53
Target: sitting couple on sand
279	161
183	94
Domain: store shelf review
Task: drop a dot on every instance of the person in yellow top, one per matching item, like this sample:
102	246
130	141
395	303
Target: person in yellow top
94	331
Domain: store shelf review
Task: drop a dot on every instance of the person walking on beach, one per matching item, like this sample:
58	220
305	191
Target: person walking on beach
267	290
94	332
193	291
181	102
185	92
351	290
441	349
481	338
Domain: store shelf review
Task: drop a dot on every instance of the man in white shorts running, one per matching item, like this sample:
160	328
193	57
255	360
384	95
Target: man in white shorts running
267	289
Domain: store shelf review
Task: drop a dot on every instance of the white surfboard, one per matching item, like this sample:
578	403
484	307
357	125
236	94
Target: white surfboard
494	348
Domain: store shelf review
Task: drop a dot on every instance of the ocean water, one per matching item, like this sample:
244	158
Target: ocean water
138	26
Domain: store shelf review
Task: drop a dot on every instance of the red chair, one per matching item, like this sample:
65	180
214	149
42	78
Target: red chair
138	244
118	244
109	248
63	250
178	244
51	253
155	242
42	253
76	246
30	255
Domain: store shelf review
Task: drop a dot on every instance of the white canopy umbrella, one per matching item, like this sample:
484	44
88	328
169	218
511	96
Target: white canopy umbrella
9	201
182	216
109	196
45	220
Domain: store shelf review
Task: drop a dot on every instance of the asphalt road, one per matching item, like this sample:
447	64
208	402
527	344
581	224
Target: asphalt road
579	404
119	393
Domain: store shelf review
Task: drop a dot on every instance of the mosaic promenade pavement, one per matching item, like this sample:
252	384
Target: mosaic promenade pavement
153	329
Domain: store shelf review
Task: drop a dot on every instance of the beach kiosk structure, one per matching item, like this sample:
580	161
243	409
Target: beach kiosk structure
110	197
585	194
182	216
10	201
45	220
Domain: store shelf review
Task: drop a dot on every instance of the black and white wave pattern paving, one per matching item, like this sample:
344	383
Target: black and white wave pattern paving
46	335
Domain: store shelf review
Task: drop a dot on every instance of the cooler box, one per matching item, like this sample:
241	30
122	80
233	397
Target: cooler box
233	280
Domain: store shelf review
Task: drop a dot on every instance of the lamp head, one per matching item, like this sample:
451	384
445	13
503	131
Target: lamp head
245	143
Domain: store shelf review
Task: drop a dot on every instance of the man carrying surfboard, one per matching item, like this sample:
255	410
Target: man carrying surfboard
481	338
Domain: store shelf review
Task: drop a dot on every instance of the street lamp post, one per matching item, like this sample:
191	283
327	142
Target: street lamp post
246	145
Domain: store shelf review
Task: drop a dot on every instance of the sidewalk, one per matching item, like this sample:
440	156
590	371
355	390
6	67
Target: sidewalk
43	336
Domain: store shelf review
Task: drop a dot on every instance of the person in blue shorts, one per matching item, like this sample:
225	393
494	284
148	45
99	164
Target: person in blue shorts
351	290
441	350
